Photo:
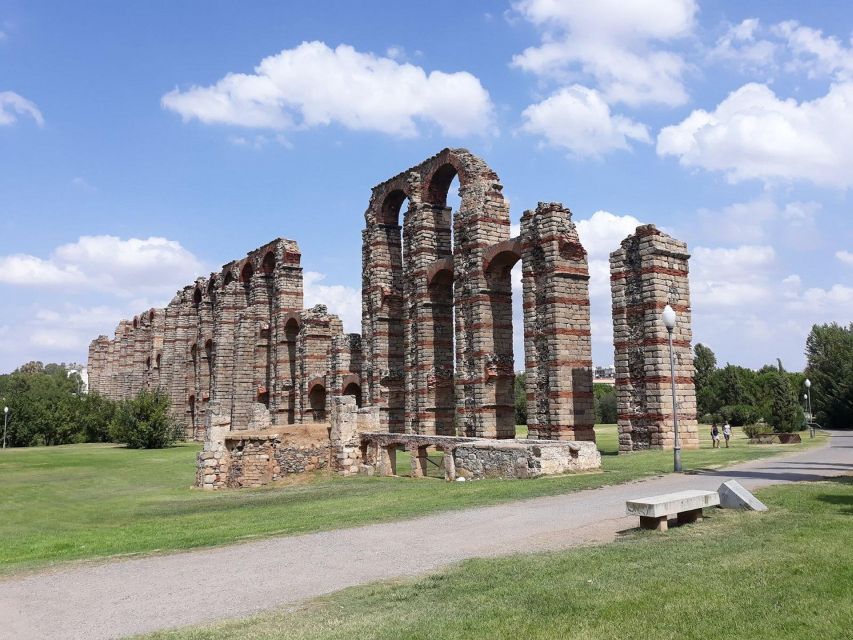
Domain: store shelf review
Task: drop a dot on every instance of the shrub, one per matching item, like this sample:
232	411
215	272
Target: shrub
520	399
144	422
752	430
738	415
605	403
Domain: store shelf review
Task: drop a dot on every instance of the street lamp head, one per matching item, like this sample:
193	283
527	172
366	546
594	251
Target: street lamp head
5	409
808	383
668	316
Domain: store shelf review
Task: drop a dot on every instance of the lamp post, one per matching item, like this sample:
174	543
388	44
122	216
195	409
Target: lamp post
809	398
668	316
5	420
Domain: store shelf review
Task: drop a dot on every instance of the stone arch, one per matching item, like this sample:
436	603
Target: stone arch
317	399
268	263
229	278
353	389
197	296
247	272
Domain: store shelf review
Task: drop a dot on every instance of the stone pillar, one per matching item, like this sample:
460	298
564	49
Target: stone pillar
428	319
286	305
382	319
483	305
558	350
647	272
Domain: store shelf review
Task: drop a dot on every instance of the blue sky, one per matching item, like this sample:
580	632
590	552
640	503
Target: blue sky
142	144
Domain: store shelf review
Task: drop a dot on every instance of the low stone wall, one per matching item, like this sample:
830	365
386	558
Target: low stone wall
253	459
477	458
523	458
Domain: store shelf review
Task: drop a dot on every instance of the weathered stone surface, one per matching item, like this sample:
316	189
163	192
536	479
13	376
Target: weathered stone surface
648	272
733	495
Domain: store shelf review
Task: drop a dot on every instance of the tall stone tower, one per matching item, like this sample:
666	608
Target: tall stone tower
647	272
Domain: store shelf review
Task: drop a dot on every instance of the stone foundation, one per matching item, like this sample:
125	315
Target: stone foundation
477	458
253	459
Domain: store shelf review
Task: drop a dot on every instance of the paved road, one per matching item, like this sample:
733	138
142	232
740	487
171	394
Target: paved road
126	597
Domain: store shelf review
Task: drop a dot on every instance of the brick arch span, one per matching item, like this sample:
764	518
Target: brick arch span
411	371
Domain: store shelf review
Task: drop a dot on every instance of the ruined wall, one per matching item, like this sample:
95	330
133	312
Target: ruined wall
230	337
649	271
558	349
414	279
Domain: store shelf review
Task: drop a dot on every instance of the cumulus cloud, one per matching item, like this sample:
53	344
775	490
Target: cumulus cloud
132	267
13	105
578	119
846	257
313	85
340	300
613	42
730	277
753	134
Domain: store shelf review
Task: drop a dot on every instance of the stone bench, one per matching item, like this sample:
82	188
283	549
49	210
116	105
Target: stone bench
687	506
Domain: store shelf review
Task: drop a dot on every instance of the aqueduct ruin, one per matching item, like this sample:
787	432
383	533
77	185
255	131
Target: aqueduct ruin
274	389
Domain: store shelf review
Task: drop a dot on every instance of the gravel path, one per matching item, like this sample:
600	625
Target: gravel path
125	597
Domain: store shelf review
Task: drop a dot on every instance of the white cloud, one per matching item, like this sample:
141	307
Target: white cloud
12	105
814	53
846	257
752	134
603	231
758	219
730	277
314	85
613	42
578	119
740	44
340	300
133	267
28	270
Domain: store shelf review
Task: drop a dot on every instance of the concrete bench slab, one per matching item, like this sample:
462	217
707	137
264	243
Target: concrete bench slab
654	511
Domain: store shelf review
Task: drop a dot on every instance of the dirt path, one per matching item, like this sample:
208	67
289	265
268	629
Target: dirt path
133	596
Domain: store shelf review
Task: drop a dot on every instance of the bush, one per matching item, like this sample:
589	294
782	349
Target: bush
752	430
738	415
144	422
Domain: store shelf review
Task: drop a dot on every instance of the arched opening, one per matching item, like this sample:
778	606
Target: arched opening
148	363
135	322
192	412
391	207
197	296
439	185
151	316
208	351
158	359
246	273
317	402
268	264
211	291
354	389
498	264
229	278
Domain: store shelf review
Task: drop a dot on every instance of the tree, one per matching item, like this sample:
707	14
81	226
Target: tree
144	422
605	403
829	356
705	363
784	413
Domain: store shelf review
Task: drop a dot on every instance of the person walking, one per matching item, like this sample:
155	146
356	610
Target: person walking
727	433
715	436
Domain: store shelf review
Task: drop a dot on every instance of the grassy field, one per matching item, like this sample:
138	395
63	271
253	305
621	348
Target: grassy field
92	501
780	574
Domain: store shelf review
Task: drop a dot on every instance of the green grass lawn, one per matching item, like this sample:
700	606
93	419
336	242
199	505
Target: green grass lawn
92	501
783	574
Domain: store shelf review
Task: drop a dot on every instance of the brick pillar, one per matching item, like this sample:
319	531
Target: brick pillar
649	271
286	305
244	390
483	305
426	240
382	322
558	350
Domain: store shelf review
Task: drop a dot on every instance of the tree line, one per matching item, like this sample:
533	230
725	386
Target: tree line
46	407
